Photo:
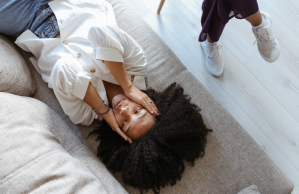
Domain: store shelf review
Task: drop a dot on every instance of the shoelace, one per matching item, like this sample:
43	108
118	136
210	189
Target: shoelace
214	51
263	35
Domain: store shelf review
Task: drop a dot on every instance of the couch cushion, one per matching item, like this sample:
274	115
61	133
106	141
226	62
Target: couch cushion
252	189
14	72
40	153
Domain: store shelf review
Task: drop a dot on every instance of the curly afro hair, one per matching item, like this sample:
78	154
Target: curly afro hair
157	159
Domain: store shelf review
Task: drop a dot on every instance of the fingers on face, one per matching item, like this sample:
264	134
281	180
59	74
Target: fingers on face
155	108
148	107
152	106
116	128
146	101
123	135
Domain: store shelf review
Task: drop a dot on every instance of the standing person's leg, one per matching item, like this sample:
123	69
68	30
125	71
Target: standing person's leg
216	13
214	61
255	19
261	26
268	46
212	27
209	39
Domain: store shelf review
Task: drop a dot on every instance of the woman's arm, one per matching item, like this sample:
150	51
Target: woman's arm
119	72
93	99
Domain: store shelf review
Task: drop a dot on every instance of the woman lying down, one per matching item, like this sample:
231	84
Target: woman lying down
92	65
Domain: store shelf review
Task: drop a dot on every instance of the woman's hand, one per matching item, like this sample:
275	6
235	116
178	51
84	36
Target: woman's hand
110	119
93	99
119	72
141	98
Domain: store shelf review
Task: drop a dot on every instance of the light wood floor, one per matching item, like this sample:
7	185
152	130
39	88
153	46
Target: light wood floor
263	97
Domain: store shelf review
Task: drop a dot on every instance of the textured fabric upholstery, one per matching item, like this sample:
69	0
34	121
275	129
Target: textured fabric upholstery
41	154
15	76
252	189
233	160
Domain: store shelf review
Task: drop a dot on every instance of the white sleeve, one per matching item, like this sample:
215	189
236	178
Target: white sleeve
107	42
70	85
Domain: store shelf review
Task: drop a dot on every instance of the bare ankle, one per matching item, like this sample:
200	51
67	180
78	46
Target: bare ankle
210	40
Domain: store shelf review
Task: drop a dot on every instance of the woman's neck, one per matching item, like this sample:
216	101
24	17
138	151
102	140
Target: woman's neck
112	90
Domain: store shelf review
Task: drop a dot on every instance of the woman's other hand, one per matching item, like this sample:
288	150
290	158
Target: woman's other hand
110	119
141	98
119	72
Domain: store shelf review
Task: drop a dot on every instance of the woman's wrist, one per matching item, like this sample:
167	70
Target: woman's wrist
102	111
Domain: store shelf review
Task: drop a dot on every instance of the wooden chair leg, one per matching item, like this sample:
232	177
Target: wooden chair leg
160	6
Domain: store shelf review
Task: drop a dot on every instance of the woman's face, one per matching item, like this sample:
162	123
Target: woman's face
131	117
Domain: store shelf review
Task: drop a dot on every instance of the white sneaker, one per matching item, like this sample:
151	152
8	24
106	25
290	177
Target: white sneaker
267	45
214	61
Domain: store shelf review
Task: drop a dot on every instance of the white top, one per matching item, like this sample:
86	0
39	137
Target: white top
89	34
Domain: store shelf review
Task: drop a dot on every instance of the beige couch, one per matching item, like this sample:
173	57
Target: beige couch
42	151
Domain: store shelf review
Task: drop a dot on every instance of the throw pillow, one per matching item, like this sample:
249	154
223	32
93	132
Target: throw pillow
15	76
37	152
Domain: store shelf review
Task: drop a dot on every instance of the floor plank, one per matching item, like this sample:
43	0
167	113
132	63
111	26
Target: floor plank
260	105
183	11
287	11
168	38
172	20
279	80
289	42
195	7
